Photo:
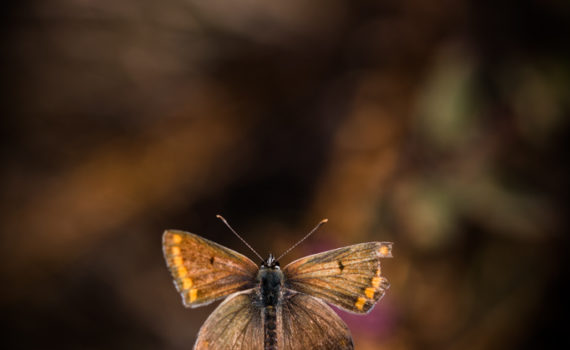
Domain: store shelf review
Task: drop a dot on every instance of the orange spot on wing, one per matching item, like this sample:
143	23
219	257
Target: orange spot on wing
187	283
369	292
360	303
385	250
193	294
175	250
182	272
177	261
176	238
376	282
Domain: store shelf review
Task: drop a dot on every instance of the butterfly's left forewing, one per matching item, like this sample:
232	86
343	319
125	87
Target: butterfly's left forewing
205	271
348	277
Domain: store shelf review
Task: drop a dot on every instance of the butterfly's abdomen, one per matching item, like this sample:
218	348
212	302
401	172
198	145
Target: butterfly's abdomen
270	328
271	281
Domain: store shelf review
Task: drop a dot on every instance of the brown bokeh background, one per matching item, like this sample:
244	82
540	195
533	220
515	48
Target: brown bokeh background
440	126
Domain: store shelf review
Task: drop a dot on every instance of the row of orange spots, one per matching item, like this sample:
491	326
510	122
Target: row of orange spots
368	292
181	271
384	251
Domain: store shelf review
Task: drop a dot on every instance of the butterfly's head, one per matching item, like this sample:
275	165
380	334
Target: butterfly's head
271	262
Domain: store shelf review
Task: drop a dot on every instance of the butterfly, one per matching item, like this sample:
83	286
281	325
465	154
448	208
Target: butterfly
269	308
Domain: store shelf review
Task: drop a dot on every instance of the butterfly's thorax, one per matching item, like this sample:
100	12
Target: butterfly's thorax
270	283
270	290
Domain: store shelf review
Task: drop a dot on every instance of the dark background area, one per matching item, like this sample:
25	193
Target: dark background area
439	126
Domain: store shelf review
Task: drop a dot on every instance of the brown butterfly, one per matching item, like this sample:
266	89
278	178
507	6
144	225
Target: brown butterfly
269	308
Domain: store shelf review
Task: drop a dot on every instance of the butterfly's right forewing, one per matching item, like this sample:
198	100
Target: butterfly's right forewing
348	277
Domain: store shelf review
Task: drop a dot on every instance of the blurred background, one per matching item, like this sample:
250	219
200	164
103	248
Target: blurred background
439	126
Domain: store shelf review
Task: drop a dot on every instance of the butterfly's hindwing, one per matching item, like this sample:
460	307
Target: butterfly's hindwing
235	324
205	271
348	277
309	323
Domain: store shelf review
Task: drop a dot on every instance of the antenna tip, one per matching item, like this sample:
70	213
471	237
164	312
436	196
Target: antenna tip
324	221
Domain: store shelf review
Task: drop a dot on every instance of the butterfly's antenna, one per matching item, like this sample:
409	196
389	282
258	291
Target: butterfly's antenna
243	240
304	238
